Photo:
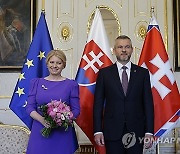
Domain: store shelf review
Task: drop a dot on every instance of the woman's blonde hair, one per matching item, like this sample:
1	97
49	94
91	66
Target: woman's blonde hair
58	53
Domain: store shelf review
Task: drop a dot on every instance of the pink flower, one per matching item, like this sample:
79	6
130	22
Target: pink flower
67	108
52	114
56	103
71	115
60	106
55	110
58	114
58	120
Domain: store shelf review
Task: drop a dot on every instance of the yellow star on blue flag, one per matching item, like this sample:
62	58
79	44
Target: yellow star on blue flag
41	55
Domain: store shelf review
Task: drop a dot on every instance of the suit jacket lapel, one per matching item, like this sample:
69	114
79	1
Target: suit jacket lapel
132	77
117	78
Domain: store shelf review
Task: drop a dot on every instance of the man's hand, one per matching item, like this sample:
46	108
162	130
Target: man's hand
148	141
99	139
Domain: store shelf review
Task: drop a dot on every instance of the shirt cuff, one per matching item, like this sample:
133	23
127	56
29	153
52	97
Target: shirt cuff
149	134
97	133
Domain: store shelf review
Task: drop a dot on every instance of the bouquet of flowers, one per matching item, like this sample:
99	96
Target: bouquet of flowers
57	114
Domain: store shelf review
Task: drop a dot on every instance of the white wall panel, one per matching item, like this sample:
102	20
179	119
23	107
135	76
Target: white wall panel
133	17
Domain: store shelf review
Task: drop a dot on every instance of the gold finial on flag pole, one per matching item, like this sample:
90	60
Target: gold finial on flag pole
43	6
152	10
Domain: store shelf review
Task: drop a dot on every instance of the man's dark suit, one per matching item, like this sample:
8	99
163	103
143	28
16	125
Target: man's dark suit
135	109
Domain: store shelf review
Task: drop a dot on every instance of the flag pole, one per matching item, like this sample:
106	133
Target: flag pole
43	6
152	10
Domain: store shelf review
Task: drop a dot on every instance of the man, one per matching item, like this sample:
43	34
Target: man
123	106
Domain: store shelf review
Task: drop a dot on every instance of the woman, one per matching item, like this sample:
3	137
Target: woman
42	91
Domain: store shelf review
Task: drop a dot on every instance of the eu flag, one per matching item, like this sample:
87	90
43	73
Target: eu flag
34	67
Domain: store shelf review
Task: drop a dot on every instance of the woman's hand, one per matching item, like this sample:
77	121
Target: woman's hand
38	117
44	122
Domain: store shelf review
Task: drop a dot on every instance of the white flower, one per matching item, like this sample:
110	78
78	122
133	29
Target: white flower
62	117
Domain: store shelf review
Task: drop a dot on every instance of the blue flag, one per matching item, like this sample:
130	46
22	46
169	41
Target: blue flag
34	67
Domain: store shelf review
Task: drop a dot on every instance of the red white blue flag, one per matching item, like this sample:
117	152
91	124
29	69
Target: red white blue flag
96	55
164	88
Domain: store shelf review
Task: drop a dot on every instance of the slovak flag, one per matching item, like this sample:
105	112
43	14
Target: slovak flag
164	88
96	55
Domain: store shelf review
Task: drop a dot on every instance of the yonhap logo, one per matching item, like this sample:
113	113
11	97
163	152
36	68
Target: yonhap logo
129	139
